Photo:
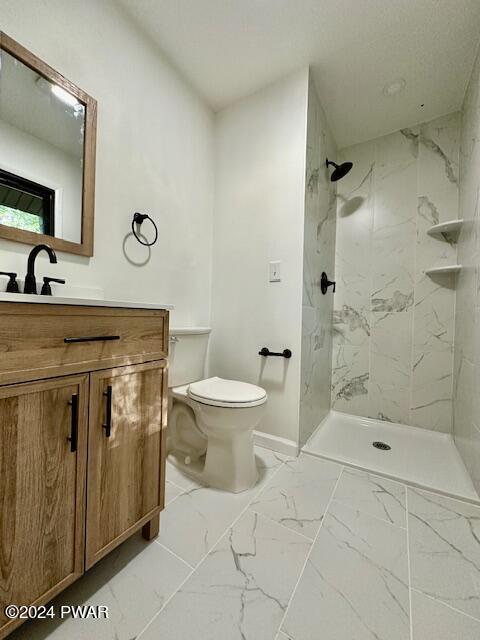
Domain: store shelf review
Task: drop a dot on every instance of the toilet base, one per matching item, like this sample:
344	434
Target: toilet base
214	444
220	469
230	463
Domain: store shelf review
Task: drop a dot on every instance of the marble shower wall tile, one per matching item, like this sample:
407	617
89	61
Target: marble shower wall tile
439	142
355	560
351	319
434	313
432	390
350	379
476	374
434	305
389	316
351	322
316	377
463	391
389	403
318	256
475	455
466	413
391	349
393	244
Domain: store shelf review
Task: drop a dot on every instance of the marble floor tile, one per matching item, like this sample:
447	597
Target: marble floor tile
355	583
269	460
178	477
134	582
444	539
171	492
379	497
266	460
241	590
299	494
193	522
433	620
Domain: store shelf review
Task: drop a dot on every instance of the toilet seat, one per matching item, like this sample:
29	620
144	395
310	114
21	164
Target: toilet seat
218	392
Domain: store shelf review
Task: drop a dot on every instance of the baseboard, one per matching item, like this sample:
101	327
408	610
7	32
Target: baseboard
275	443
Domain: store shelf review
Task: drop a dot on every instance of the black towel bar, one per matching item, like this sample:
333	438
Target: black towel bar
265	351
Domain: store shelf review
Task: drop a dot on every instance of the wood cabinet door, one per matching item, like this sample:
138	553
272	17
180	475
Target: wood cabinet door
125	456
43	439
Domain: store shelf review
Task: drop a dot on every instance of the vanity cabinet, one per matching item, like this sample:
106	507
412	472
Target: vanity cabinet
83	401
42	488
124	454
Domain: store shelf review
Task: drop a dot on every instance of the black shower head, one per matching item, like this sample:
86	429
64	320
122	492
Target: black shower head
340	170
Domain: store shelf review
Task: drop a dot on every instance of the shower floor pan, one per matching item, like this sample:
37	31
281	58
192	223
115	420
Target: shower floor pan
416	456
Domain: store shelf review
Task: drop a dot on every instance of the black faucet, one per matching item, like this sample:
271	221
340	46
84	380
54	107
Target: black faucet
30	282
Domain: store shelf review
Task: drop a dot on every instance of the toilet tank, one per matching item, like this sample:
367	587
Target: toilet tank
188	355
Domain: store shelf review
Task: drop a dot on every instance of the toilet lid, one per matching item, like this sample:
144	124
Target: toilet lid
220	392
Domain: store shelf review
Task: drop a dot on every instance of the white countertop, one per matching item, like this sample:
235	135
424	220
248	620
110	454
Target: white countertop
82	302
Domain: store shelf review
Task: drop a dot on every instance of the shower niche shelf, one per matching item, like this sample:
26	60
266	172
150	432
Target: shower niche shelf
451	226
447	269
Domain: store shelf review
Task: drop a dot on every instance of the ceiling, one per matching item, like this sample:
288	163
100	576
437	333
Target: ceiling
228	49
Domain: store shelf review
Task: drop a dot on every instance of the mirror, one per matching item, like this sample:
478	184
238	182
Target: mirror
47	154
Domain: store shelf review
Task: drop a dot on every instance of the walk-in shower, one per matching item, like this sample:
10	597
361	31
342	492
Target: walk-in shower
401	372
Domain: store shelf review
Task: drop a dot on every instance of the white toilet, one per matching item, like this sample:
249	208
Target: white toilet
211	421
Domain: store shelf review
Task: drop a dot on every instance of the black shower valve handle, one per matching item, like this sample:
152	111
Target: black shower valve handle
325	283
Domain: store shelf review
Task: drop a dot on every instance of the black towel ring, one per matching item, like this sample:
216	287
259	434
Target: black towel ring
139	218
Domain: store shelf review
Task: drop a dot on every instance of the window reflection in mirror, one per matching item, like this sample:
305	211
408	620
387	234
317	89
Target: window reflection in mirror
41	153
26	205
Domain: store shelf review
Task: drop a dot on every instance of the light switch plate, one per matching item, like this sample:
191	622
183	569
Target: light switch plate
275	271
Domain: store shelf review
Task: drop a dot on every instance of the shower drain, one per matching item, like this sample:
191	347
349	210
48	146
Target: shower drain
382	445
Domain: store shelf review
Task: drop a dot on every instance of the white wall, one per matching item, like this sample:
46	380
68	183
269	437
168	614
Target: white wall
35	159
154	154
259	206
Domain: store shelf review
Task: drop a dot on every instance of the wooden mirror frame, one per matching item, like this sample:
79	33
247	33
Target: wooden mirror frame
85	246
